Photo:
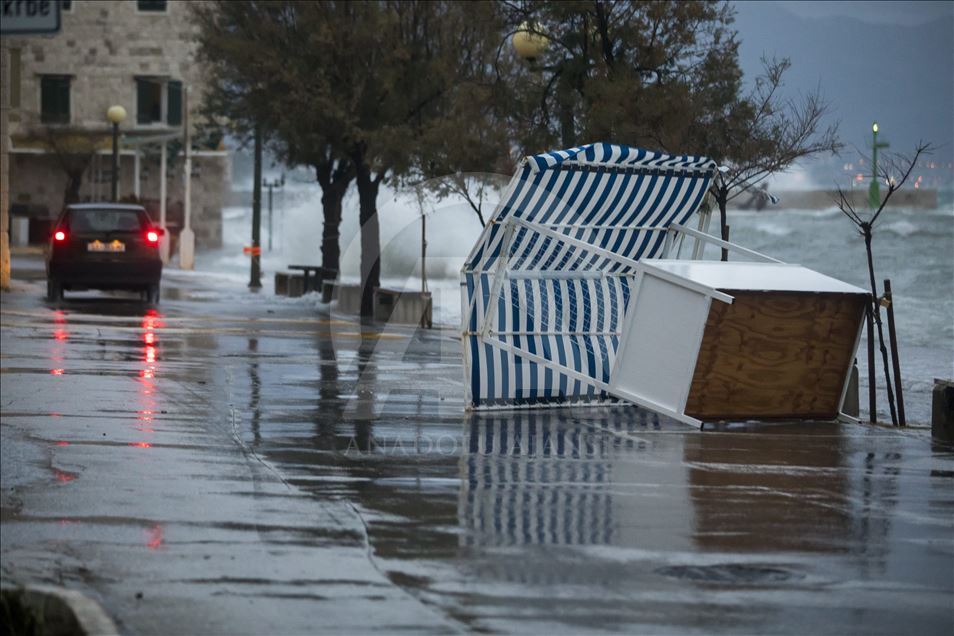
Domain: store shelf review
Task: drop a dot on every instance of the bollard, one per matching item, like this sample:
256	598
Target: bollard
942	411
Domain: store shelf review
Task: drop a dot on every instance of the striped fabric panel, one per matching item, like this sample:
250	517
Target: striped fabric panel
559	300
574	322
603	153
600	207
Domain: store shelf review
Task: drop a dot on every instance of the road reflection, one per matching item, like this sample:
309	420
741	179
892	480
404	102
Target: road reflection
59	345
772	489
532	479
151	323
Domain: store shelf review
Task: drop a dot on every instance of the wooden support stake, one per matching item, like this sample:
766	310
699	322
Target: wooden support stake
895	356
872	402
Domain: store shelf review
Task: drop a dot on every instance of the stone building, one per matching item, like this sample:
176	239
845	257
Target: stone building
139	54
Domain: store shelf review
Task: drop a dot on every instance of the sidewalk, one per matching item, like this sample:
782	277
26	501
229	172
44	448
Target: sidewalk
236	464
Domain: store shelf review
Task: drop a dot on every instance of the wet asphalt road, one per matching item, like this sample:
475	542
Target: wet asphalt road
233	463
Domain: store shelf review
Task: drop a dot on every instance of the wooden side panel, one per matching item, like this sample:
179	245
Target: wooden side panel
775	355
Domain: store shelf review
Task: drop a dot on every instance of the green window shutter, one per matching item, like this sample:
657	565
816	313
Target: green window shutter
55	99
174	103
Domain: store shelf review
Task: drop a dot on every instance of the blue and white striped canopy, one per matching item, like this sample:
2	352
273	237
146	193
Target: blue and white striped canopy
550	276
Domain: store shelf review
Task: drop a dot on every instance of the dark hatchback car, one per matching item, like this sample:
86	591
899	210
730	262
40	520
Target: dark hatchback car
104	246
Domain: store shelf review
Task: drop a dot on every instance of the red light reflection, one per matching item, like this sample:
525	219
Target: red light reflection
60	336
155	537
64	477
62	443
150	354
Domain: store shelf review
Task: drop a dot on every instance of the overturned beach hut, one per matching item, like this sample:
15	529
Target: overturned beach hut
547	285
571	295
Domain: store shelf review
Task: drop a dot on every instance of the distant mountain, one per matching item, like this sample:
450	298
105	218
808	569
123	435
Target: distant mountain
900	76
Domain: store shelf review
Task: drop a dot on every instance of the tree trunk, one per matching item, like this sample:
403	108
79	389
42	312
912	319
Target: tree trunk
567	125
370	237
73	184
331	197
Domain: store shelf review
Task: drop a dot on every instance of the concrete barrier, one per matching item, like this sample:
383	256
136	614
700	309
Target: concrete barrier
349	298
296	285
403	307
281	283
942	411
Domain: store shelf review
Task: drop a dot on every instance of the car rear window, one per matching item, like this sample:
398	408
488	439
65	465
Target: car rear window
106	221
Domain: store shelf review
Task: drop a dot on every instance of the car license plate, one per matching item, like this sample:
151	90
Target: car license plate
111	246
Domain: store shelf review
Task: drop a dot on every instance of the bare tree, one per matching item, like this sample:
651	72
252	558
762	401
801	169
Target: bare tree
763	134
894	171
74	150
476	189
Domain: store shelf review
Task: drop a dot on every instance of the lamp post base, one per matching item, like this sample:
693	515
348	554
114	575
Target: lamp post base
187	249
164	247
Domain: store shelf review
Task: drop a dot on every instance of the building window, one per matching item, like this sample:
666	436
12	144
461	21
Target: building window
151	6
158	101
66	6
55	99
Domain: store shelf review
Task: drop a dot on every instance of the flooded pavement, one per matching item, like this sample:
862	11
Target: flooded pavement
231	463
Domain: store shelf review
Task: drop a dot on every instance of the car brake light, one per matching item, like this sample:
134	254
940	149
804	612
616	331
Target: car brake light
152	236
60	236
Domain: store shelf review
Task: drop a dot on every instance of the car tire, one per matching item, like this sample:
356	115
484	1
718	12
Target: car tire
152	294
54	290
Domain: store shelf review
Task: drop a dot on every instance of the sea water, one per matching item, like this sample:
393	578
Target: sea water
913	248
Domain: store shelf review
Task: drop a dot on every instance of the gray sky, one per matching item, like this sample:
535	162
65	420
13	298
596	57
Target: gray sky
885	12
891	62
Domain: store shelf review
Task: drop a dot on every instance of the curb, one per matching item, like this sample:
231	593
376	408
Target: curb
67	611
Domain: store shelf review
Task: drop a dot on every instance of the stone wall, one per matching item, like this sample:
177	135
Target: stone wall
104	45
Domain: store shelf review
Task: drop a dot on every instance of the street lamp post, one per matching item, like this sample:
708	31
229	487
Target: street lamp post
186	236
115	115
874	194
274	183
255	275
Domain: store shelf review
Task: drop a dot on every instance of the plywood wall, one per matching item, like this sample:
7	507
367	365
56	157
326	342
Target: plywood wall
775	355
